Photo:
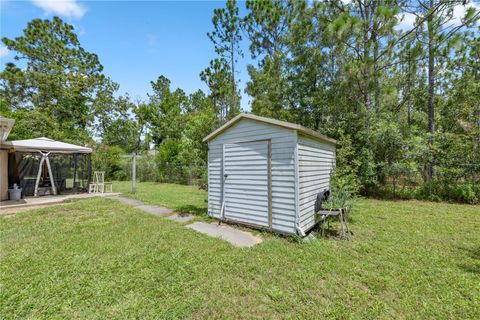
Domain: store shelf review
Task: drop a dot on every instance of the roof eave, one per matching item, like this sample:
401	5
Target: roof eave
306	131
223	128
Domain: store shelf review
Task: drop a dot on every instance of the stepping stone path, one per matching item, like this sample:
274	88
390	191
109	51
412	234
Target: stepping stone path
236	237
180	217
155	210
128	201
158	211
232	235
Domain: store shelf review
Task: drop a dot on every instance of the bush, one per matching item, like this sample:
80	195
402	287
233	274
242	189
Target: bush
447	191
107	158
342	193
467	193
178	161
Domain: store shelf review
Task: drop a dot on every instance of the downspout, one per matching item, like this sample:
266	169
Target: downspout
299	230
221	216
222	209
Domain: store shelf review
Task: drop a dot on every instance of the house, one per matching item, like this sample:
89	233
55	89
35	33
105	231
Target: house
266	173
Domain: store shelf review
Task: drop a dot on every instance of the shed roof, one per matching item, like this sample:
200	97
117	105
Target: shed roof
45	145
304	130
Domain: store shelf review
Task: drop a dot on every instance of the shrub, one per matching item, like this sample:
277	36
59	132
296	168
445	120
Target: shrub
466	193
107	158
342	193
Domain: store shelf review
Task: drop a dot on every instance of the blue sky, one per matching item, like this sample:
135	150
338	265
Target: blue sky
136	41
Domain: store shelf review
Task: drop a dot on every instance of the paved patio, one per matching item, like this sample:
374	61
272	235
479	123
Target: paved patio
7	207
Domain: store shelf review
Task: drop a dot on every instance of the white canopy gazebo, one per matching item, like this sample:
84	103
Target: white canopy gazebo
45	147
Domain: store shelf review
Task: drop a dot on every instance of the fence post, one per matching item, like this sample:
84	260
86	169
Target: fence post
134	172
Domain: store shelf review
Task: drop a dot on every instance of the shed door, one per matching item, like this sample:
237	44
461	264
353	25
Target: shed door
247	186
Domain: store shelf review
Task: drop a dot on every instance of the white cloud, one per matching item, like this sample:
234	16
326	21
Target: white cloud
460	10
406	21
66	8
3	51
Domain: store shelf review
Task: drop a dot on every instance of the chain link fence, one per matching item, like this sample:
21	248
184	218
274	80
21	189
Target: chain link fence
148	168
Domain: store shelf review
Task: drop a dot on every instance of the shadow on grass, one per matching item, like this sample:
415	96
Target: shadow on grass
195	210
474	254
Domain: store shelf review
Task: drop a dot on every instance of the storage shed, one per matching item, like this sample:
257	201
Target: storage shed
267	173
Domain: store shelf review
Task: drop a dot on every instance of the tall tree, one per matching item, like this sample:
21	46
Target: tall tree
125	127
353	68
61	79
436	28
217	77
267	24
226	38
164	111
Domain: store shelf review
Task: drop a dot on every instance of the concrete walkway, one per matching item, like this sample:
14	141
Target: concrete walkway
155	210
234	236
180	217
8	207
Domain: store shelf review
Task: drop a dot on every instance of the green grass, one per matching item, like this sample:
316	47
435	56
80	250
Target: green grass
96	258
185	199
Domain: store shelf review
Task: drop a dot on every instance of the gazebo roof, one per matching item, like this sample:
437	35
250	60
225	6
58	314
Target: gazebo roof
6	126
45	145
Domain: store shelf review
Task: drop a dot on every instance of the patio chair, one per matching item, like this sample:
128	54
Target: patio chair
99	185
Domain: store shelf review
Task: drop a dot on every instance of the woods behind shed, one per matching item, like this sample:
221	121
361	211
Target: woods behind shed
267	173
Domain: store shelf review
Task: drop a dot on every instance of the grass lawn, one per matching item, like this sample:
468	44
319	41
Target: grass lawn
96	258
186	199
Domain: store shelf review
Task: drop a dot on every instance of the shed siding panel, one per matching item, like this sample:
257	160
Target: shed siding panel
242	208
316	160
283	164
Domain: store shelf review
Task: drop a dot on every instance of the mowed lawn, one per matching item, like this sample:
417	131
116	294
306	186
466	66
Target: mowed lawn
187	199
96	258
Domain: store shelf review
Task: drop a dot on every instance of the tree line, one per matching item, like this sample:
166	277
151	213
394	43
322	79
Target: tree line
402	99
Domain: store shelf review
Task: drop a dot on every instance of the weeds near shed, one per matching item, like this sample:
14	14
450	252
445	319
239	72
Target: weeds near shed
342	194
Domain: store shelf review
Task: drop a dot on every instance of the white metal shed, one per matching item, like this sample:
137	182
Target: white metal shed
267	173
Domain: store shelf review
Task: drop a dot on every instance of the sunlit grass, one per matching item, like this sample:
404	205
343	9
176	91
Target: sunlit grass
96	258
188	199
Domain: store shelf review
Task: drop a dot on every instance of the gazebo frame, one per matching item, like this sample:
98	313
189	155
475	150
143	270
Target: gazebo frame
50	174
45	147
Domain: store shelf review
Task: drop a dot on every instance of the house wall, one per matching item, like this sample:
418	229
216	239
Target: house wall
3	175
315	162
283	169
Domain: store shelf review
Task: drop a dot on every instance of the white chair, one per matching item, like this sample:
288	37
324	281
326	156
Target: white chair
99	185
